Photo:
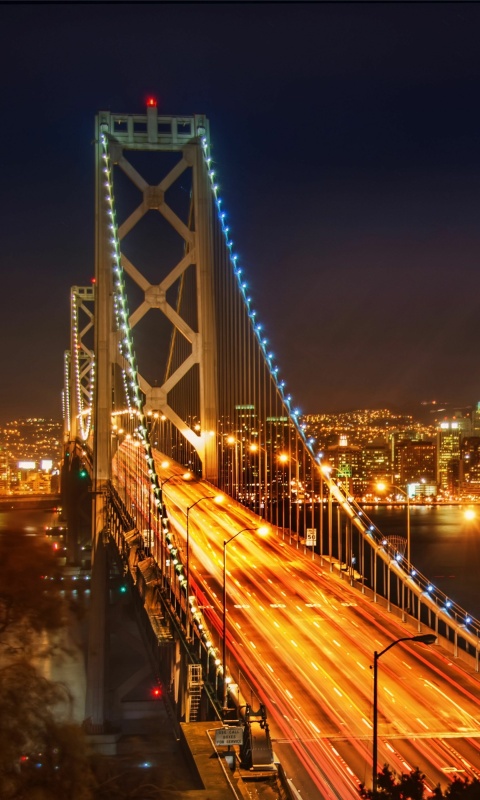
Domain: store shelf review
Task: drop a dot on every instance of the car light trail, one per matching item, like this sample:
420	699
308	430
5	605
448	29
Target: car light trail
259	574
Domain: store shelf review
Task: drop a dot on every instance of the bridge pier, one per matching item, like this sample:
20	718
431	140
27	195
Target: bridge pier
136	647
95	717
76	505
179	679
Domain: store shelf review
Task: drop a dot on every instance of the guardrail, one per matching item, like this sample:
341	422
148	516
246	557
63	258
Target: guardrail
449	616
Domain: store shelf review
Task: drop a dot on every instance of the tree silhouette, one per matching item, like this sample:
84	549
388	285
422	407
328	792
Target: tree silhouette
460	789
30	599
410	786
407	786
42	754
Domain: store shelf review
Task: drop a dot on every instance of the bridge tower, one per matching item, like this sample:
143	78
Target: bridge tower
148	135
79	379
121	140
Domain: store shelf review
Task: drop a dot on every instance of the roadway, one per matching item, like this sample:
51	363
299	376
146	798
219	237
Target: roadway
302	640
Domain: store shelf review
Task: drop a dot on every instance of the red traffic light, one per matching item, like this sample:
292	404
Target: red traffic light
156	692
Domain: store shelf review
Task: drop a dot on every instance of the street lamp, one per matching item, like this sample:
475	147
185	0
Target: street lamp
185	477
320	520
236	469
327	470
426	638
216	499
284	459
259	477
263	530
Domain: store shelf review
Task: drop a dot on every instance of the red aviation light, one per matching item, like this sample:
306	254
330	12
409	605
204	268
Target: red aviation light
152	102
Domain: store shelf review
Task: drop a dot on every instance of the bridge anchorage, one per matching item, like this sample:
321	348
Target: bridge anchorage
173	396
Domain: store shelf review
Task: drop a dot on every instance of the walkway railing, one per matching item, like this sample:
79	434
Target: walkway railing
428	599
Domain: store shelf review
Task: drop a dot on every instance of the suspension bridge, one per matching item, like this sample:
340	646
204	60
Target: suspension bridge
264	586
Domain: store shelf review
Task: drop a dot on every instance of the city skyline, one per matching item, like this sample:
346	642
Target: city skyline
346	151
440	459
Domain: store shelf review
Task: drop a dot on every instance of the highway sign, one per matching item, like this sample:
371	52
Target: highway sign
311	539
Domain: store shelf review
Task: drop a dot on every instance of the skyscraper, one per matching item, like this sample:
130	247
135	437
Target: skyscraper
449	435
415	461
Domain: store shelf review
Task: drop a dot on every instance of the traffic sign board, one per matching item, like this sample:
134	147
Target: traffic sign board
228	736
311	537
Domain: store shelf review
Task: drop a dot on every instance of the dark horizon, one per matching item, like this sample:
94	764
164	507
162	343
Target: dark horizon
345	138
420	412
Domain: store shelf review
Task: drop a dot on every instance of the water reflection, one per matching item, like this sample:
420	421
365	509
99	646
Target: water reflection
65	662
445	547
27	520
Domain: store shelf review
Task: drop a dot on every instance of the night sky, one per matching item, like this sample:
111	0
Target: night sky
347	146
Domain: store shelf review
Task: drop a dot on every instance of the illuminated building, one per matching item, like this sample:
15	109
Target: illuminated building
449	435
470	465
33	441
415	462
364	426
376	462
4	470
346	459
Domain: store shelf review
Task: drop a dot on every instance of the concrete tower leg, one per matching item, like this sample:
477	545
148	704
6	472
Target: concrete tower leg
95	698
95	694
176	671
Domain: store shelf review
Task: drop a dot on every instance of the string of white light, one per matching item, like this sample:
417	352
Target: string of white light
84	414
66	391
132	386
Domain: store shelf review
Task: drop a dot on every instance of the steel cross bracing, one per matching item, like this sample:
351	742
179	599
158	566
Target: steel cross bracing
231	383
66	392
82	361
118	134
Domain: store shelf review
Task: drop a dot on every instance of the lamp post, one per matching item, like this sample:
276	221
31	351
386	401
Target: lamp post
254	448
185	477
262	529
284	459
426	638
216	499
320	522
237	466
326	471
